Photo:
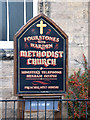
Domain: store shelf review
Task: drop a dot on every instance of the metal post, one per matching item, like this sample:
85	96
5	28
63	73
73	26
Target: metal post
5	110
80	110
67	109
22	109
30	109
53	109
14	110
73	110
45	110
61	109
37	110
86	110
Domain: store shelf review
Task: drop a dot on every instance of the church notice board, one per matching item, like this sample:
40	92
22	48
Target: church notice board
40	58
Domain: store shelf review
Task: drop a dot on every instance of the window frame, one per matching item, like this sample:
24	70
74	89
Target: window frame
10	44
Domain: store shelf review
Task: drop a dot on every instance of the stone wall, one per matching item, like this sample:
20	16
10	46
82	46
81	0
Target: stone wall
6	86
7	78
72	17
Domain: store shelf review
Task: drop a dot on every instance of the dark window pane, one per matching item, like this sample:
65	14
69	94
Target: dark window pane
29	10
16	17
4	21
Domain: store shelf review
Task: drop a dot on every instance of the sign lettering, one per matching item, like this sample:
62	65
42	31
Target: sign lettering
40	58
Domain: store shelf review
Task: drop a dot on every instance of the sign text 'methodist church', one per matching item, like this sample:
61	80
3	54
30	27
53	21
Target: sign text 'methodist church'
40	66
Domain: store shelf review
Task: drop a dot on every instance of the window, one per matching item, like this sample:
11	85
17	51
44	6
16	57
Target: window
14	15
16	18
4	21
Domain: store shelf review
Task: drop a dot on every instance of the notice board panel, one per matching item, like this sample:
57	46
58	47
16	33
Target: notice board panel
40	58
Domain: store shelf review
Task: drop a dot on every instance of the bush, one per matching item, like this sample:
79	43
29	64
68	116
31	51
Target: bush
78	89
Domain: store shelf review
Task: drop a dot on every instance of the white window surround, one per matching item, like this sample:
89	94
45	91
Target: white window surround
10	44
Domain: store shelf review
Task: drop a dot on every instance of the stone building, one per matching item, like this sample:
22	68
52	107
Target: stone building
71	17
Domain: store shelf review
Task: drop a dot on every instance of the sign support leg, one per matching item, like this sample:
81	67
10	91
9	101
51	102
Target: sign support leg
58	114
21	108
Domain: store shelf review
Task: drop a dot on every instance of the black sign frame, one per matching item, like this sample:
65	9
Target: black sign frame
17	60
